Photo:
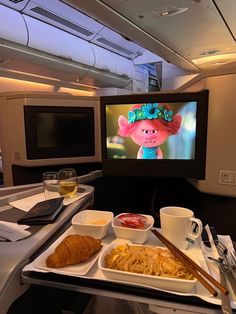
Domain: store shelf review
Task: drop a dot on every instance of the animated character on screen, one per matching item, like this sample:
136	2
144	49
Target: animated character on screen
149	125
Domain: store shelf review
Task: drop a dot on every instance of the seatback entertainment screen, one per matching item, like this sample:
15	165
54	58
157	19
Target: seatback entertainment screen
151	130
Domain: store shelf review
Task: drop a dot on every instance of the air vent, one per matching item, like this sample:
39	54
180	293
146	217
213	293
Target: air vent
114	46
16	1
51	16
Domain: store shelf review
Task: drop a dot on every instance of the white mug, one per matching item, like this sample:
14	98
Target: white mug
178	226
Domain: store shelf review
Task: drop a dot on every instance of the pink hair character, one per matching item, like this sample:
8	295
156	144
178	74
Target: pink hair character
149	125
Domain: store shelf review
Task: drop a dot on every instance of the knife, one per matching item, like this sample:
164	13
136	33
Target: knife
230	276
225	301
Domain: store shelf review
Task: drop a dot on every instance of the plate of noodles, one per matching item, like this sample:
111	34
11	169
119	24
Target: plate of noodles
147	265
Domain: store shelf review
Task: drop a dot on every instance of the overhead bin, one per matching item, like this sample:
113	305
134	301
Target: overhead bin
104	59
63	17
13	26
59	43
117	43
108	68
103	68
104	79
124	67
36	43
14	4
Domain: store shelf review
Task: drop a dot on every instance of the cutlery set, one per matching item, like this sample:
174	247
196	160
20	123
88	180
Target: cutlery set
226	261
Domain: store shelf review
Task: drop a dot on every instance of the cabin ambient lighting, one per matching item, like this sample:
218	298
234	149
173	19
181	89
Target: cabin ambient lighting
12	84
216	59
31	76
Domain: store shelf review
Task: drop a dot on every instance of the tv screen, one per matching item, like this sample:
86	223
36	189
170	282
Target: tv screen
58	132
162	134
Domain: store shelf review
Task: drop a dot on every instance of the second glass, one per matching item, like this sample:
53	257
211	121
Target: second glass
68	182
50	184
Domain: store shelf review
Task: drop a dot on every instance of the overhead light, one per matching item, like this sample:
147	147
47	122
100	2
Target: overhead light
171	12
216	60
209	52
220	62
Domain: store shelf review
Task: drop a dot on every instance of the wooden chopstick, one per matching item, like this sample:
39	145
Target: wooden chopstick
192	266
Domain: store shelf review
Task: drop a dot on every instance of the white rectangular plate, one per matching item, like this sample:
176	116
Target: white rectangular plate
80	269
170	284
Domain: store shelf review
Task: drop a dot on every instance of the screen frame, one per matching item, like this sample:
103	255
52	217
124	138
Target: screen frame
194	168
35	152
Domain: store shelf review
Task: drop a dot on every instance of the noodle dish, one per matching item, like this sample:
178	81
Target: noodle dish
146	265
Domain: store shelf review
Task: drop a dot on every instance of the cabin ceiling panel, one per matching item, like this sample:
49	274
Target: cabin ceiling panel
117	22
197	26
179	31
192	34
228	9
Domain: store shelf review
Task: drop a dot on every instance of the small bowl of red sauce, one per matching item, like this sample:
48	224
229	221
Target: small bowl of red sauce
133	227
135	221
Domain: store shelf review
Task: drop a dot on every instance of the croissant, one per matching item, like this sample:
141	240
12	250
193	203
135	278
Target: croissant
72	250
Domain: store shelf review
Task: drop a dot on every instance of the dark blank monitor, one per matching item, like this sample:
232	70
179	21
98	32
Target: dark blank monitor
58	132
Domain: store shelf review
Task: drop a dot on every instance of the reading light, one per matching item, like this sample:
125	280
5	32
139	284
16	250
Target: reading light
164	13
209	52
172	12
220	62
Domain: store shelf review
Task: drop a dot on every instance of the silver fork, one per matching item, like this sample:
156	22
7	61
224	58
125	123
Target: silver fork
225	270
229	258
232	260
226	265
225	300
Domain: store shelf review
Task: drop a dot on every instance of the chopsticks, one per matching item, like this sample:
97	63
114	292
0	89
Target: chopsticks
194	268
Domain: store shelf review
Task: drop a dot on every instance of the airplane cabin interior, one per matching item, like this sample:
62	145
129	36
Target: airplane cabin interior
139	98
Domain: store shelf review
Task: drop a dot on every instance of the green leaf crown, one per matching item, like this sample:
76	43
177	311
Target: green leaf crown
150	111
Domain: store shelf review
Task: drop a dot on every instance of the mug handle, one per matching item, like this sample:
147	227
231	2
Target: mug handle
191	237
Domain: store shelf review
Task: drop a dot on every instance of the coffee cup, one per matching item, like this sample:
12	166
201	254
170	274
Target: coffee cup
179	226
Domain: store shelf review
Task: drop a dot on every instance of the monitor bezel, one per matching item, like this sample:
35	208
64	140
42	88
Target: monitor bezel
34	152
194	168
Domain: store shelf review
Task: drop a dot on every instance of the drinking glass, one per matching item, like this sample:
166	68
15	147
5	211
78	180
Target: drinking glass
51	184
68	182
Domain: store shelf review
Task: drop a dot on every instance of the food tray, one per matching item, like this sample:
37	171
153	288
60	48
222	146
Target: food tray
95	273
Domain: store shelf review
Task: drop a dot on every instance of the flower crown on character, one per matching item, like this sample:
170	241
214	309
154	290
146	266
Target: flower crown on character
150	111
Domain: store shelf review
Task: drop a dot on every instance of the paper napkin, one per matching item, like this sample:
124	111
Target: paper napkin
12	231
27	203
